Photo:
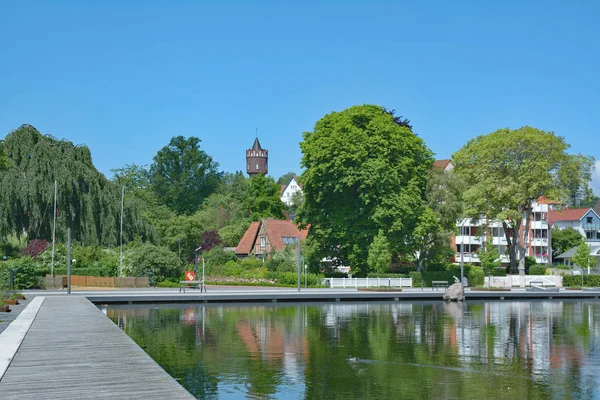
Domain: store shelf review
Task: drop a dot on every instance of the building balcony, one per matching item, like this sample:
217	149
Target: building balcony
539	225
539	242
468	239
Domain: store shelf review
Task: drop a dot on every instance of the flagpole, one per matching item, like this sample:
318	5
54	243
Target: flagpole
53	230
121	252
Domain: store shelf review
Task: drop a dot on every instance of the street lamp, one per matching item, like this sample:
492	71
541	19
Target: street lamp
179	242
196	257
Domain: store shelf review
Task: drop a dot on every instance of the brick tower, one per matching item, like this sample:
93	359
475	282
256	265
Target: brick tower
257	159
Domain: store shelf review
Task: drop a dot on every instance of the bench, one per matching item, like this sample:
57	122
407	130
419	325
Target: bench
536	283
191	284
439	284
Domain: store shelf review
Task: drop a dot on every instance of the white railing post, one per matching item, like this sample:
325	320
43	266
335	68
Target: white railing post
355	283
344	283
367	281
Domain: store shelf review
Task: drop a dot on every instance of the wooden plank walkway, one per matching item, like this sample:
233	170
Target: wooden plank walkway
73	351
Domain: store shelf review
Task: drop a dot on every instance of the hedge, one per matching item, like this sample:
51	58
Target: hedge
537	269
575	281
474	275
376	275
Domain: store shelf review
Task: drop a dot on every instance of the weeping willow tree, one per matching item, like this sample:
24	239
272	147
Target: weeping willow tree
87	202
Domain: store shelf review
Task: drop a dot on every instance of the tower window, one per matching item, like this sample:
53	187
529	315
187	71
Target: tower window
257	166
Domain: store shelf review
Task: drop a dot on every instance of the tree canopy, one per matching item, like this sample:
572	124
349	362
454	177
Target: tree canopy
183	175
507	171
285	178
365	172
565	239
87	202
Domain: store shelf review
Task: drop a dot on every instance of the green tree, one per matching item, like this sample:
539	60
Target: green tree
183	175
286	178
575	176
87	202
565	239
263	198
443	206
507	171
365	171
380	257
488	256
582	257
3	157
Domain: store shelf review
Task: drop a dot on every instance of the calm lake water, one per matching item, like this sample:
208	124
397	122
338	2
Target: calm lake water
419	350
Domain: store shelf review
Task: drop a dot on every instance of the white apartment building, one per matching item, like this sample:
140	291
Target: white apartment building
472	235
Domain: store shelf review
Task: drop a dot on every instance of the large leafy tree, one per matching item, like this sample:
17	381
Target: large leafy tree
565	239
182	175
442	208
87	202
263	198
507	171
365	172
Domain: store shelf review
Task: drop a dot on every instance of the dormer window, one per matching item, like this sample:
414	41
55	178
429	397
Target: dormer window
589	220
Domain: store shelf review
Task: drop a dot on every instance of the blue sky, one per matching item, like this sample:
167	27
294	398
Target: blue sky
123	77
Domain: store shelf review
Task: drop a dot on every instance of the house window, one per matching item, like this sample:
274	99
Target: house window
589	234
589	220
263	243
289	240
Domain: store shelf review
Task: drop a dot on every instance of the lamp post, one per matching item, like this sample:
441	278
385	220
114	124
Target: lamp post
179	242
196	253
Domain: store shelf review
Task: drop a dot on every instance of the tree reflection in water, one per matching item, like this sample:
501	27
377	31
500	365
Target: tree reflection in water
541	349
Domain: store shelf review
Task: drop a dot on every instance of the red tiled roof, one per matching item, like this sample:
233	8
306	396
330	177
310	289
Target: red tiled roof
543	200
245	245
282	190
574	214
276	229
441	163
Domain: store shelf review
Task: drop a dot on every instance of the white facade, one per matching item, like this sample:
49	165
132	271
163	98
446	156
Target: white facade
290	189
472	235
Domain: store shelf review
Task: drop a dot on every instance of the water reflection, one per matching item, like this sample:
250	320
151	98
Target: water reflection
546	349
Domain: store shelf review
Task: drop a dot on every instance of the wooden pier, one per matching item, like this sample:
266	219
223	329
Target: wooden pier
73	351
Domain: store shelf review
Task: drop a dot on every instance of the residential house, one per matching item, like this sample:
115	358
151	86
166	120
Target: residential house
288	191
584	220
268	235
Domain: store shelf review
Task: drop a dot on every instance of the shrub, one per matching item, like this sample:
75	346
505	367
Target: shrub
34	248
575	280
376	275
155	262
537	269
291	278
168	284
417	278
26	273
475	276
217	257
336	274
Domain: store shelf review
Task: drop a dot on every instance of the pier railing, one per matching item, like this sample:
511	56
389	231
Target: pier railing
367	282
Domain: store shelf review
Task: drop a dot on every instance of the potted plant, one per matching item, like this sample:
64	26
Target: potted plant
4	307
11	299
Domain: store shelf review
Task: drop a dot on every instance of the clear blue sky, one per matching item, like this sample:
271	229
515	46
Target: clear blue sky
123	77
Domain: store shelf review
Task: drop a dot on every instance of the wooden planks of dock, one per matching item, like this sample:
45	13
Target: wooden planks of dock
73	351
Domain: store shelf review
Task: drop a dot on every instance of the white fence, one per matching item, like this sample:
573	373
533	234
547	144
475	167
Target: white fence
528	280
367	282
